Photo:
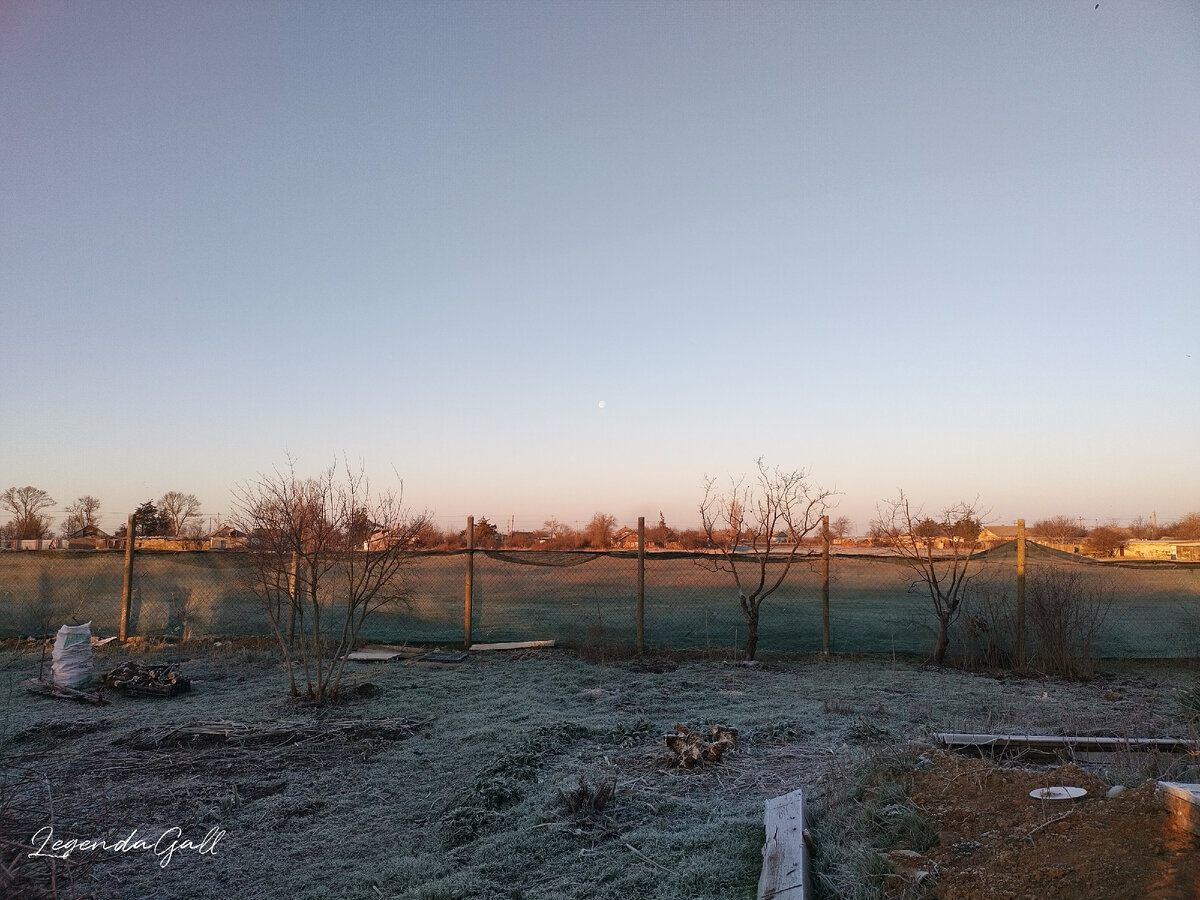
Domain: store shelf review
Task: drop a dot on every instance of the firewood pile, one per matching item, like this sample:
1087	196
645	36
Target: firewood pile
160	680
691	749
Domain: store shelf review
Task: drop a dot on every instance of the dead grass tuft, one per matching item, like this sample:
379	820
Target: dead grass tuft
585	801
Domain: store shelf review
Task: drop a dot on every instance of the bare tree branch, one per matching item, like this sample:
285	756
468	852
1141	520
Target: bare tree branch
757	530
28	505
940	553
177	510
327	553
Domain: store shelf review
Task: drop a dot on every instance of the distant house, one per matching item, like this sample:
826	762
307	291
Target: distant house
162	542
938	542
226	538
89	537
36	544
625	538
991	535
1167	549
386	538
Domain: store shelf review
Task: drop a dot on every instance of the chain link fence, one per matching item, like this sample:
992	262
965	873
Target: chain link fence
1124	609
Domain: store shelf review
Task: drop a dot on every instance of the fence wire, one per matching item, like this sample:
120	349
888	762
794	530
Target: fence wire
1120	609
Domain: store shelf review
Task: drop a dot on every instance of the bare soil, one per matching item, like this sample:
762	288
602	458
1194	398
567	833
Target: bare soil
995	841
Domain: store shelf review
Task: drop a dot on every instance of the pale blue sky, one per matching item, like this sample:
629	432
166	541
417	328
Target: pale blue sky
949	247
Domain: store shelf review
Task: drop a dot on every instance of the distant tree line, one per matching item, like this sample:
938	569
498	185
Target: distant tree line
175	515
600	533
178	515
1109	539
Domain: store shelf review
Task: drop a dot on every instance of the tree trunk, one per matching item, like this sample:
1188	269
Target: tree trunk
941	642
751	634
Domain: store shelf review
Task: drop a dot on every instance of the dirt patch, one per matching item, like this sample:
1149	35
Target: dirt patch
996	841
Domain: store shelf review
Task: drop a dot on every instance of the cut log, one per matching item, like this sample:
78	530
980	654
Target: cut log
785	854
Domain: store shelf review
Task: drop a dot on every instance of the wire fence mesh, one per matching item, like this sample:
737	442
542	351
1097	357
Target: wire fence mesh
1123	609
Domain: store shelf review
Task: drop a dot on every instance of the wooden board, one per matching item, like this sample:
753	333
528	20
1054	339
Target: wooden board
1183	802
384	652
785	855
1050	743
513	645
444	656
48	688
366	655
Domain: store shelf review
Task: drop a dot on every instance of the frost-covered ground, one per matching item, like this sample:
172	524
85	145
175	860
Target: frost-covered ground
470	805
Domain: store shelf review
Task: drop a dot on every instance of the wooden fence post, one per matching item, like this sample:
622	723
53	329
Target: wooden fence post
641	586
1020	648
825	585
127	586
468	590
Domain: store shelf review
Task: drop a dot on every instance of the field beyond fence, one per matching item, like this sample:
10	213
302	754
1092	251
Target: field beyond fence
1150	609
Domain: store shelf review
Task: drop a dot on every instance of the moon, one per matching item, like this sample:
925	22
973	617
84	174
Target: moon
601	404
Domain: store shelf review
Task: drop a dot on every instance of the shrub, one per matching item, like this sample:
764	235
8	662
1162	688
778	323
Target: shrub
1065	610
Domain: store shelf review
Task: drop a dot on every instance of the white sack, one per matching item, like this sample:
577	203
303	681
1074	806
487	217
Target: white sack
72	665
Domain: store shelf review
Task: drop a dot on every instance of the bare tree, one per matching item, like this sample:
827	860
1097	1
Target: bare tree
939	551
1058	529
1187	528
599	531
560	536
28	506
840	528
1106	540
1143	530
757	528
81	514
177	510
327	552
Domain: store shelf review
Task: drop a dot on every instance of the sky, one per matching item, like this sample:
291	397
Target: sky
547	259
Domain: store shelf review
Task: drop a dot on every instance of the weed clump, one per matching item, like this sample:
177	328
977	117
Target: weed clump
853	826
586	802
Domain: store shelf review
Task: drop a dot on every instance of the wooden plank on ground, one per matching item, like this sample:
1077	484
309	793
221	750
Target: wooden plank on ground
48	688
785	855
384	652
1051	743
513	645
443	656
1183	803
373	655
